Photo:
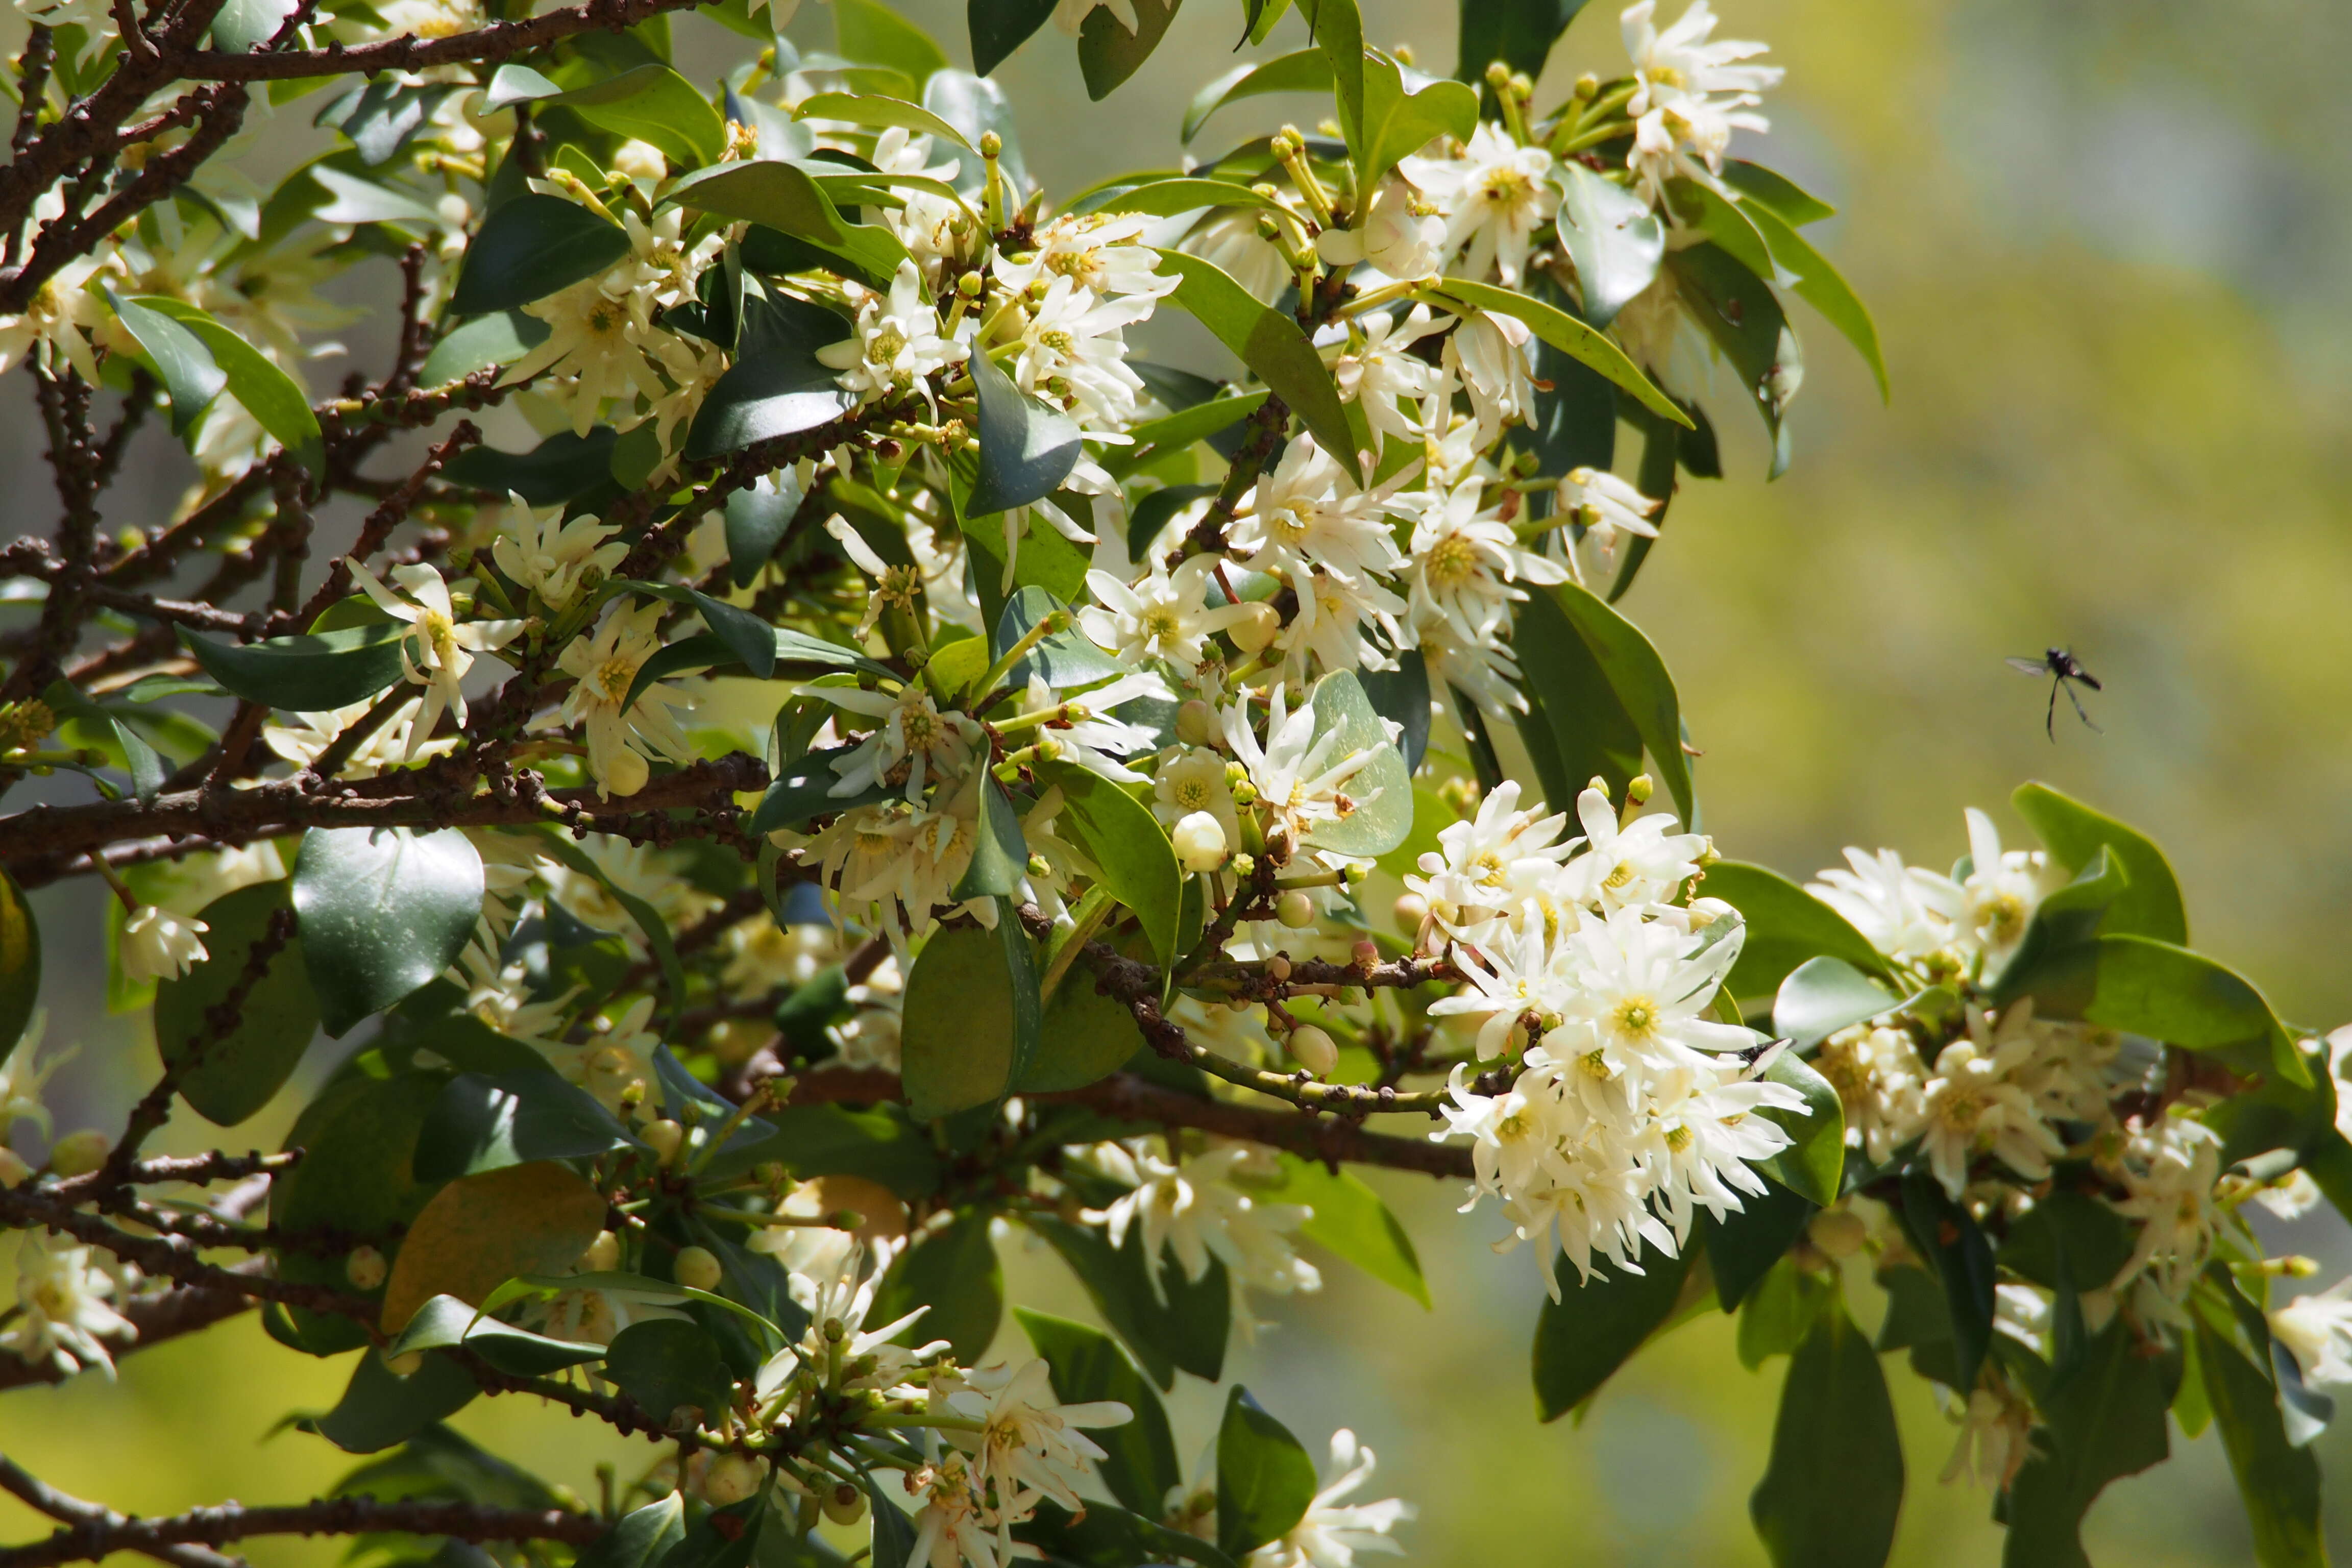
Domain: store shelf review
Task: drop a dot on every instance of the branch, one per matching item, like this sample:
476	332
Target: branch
321	1516
15	1480
159	1319
499	41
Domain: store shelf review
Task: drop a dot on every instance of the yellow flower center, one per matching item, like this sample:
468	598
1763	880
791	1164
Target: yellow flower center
1636	1017
1452	562
1060	341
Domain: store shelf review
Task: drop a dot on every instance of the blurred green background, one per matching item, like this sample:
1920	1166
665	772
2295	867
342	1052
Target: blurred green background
2102	239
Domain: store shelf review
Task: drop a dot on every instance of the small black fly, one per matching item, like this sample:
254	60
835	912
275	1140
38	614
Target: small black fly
2066	672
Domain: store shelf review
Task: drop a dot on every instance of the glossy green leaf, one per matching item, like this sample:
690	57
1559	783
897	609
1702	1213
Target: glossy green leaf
953	1272
1086	1365
649	102
1271	344
2069	1228
1307	70
2068	918
181	361
1812	1163
1644	690
1166	198
756	521
1338	30
482	1123
20	965
869	31
1127	844
274	398
1575	727
1403	112
446	1323
803	789
1743	1246
1823	995
795	653
784	198
957	1046
135	756
382	912
479	1232
2105	1421
1761	186
1595	1327
1108	53
380	1408
1026	449
1737	308
530	247
557	845
2278	1481
1346	726
1612	237
355	1179
666	1365
1062	660
499	338
1778	1311
1000	26
999	855
310	672
777	386
1949	1238
1822	287
1156	439
1829	1495
975	106
1519	32
1566	333
643	1538
1106	1537
1181	1326
1349	1220
874	110
1083	1037
562	468
1785	926
2148	987
643	1287
2150	904
241	1068
1265	1478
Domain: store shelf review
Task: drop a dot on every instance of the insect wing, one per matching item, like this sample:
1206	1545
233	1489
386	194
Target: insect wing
2028	666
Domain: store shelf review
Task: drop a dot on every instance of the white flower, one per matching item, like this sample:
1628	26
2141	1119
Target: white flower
55	327
1333	1530
1487	353
1193	779
1200	841
1103	252
1493	866
1381	372
616	1062
1335	613
159	945
1641	863
1192	1210
391	743
914	742
600	331
1880	1081
897	340
1483	666
1073	354
437	651
1689	94
1398	238
1231	241
1465	561
953	1526
1307	513
1971	1106
1029	1444
1162	615
1494	197
2170	1169
1639	998
1992	1446
2003	889
2317	1331
622	732
1903	911
1297	776
1604	506
62	1308
22	1077
1091	734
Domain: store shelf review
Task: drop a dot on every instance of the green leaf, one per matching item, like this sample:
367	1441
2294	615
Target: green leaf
181	361
1307	70
999	855
499	338
1743	1246
1948	1236
874	109
756	521
446	1323
241	1068
1785	926
1823	995
777	386
1519	32
867	31
1737	310
976	107
1644	690
1822	287
484	1124
382	912
1615	240
1026	449
2144	986
479	1232
1156	439
1270	343
1126	844
562	468
2105	1421
556	844
2278	1481
1063	659
1166	198
955	1273
2150	904
1108	54
1575	728
1140	1465
1778	1311
1829	1497
529	248
666	1363
310	672
20	965
2084	1233
658	1292
1264	1479
2068	918
1338	29
1812	1164
1401	697
784	198
963	1013
1594	1328
354	1179
138	758
1398	122
1566	333
649	102
1351	1220
274	398
1084	1037
1759	187
1000	26
882	1145
1181	1326
794	652
1346	726
643	1538
380	1408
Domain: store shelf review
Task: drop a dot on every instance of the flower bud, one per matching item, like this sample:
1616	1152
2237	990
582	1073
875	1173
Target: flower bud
665	1138
1257	626
732	1477
638	160
844	1504
1838	1232
603	1254
992	145
1639	790
1295	909
1409	911
1244	865
1366	953
79	1153
365	1269
1279	966
14	1171
1194	723
1313	1049
1200	842
696	1268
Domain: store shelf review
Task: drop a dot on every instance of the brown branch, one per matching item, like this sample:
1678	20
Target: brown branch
323	1516
377	529
38	1494
499	41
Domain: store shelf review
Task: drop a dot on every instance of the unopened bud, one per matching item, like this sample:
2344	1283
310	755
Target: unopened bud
365	1269
970	285
1588	88
1639	789
665	1138
1366	953
1200	841
835	1330
1295	909
79	1153
992	145
1244	865
1409	911
14	1171
1279	966
1838	1232
1194	723
732	1477
1313	1049
603	1254
696	1268
844	1504
1255	628
1498	76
